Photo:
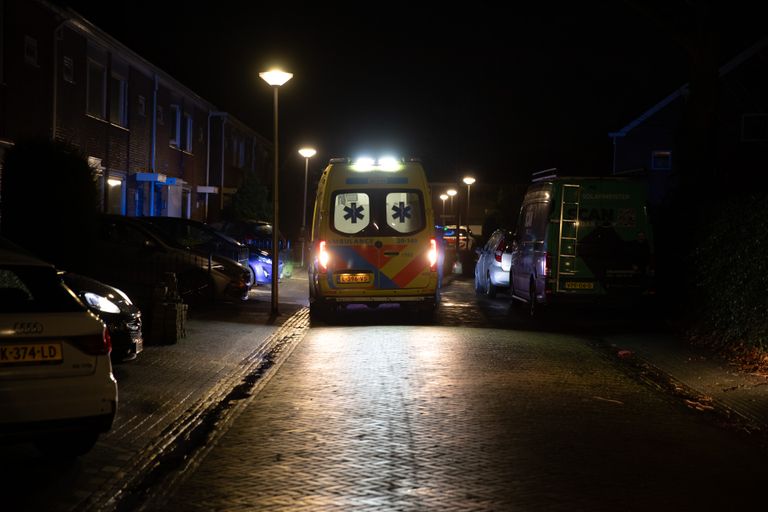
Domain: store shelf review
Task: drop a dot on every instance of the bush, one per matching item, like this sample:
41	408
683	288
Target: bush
49	200
731	275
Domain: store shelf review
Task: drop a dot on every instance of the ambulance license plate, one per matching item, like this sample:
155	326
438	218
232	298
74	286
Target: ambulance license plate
354	278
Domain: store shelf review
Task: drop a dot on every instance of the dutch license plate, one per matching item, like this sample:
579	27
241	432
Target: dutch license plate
354	278
30	352
579	285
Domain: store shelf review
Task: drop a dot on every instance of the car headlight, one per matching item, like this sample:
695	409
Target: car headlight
100	303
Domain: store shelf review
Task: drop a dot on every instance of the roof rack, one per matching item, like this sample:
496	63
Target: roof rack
543	175
342	160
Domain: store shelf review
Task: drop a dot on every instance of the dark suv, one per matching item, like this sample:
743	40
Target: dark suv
199	237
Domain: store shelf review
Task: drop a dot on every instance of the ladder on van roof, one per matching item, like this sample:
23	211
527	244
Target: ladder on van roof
569	231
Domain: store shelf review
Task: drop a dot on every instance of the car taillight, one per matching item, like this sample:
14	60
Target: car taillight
432	254
322	255
499	251
94	344
547	270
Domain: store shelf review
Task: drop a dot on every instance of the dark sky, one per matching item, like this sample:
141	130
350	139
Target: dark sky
495	91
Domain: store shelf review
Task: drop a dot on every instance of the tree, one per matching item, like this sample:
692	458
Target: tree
251	201
49	200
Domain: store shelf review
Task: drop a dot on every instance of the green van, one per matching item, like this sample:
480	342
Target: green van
583	239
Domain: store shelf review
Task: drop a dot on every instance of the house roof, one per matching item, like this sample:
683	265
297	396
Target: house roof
724	70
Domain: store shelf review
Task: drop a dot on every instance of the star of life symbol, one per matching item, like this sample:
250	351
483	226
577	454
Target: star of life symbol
401	212
353	212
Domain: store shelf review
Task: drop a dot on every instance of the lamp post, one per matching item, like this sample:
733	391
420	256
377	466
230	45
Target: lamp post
307	153
452	192
468	180
275	78
443	197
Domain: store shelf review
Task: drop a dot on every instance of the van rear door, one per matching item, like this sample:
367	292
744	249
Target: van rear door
383	243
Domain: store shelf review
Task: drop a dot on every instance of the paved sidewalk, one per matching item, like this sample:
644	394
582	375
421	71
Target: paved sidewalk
744	393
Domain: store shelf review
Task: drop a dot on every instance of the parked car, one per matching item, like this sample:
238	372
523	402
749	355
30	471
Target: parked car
56	383
466	238
493	263
199	237
257	235
115	308
136	257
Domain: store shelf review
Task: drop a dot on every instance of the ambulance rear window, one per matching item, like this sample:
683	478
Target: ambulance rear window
404	211
378	212
351	212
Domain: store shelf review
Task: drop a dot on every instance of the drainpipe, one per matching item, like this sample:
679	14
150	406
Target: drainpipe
154	148
221	190
211	115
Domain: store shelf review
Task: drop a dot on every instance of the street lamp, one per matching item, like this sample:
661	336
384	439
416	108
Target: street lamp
451	192
443	197
469	180
275	78
307	153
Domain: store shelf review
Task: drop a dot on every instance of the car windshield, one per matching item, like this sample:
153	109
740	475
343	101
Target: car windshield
31	289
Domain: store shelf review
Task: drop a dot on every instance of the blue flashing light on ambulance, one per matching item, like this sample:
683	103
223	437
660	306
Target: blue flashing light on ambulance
373	237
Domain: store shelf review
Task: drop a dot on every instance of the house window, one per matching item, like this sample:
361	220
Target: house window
754	127
68	70
188	132
30	50
175	126
96	89
661	160
141	108
238	152
118	112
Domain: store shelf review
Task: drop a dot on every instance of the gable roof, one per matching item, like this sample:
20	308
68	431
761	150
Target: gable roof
724	70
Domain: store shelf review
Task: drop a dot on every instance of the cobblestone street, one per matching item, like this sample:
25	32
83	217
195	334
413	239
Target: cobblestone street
386	418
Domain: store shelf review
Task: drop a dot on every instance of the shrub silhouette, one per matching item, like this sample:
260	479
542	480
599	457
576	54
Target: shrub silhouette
48	200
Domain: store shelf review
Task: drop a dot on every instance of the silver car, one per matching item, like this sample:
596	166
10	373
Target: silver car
493	263
56	383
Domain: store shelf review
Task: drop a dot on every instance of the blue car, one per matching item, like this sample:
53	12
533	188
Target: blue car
257	235
260	262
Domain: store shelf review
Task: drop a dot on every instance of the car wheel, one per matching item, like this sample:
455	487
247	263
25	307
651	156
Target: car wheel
490	288
67	446
318	310
532	309
479	289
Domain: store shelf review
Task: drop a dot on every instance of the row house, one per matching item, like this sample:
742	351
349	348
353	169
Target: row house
648	145
156	147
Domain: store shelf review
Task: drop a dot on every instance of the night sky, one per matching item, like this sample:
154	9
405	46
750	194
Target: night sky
494	91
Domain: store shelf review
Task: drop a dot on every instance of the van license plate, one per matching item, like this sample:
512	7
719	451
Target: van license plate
579	285
30	353
354	278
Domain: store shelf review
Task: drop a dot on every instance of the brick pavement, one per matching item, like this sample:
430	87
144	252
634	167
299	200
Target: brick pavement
393	417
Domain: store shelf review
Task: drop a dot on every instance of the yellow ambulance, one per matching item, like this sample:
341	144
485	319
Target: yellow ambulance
373	237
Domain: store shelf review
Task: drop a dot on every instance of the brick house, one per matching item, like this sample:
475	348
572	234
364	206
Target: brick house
156	147
647	145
